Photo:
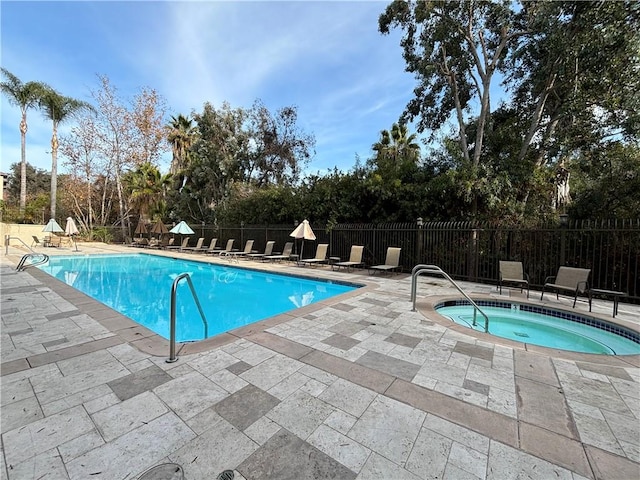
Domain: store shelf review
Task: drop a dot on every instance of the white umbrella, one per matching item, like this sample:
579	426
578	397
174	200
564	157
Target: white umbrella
304	232
182	228
70	229
52	227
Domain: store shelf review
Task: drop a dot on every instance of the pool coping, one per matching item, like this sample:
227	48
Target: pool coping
426	306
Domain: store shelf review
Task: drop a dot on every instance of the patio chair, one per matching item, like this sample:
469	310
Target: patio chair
512	272
160	243
196	248
285	255
268	249
321	256
210	249
355	259
391	262
570	279
227	249
36	241
248	248
184	244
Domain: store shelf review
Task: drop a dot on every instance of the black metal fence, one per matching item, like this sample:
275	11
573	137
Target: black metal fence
471	251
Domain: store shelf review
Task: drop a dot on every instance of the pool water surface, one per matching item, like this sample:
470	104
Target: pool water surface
545	327
139	287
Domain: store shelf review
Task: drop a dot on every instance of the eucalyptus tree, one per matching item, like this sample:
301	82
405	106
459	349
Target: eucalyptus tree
24	96
58	109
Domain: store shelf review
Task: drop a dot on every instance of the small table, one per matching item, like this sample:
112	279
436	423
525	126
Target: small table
333	260
613	293
295	258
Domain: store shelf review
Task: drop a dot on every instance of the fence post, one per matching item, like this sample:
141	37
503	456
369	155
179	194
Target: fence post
420	249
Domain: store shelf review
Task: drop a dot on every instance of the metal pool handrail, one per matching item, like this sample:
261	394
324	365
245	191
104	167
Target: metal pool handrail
22	265
172	337
434	269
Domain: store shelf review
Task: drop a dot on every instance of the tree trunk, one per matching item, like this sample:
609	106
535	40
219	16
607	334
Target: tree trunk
54	170
23	165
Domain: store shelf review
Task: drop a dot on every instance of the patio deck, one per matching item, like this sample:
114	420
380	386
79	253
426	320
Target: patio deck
358	387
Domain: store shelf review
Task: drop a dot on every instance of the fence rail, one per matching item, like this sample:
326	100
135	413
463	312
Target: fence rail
471	250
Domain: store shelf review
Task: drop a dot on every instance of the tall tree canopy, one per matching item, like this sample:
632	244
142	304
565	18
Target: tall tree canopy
570	72
25	96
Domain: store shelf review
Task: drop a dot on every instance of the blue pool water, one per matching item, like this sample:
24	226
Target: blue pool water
139	286
546	327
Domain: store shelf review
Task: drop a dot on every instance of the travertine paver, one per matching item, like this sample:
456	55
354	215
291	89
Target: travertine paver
363	389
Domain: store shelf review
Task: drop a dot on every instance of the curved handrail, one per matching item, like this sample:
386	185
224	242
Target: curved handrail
434	269
172	336
22	265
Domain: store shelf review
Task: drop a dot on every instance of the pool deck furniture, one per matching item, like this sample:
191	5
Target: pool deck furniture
210	249
197	247
568	279
355	259
184	244
285	255
235	254
53	241
227	249
321	256
391	262
513	272
607	293
268	250
36	241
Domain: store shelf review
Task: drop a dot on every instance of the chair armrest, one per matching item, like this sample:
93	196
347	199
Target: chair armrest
547	280
586	287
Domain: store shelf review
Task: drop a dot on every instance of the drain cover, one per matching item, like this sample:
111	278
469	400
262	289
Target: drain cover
226	475
165	471
520	334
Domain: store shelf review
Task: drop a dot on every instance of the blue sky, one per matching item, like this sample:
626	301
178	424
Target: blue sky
327	58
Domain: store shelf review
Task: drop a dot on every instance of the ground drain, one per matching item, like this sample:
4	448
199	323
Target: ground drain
520	334
226	475
164	471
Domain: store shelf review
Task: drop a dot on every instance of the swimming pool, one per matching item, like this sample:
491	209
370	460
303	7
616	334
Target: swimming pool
545	327
139	287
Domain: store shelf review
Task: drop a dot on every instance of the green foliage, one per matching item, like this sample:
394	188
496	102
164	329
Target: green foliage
607	182
101	234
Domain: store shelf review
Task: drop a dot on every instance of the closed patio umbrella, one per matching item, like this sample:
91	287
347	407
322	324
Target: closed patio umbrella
141	229
159	228
304	232
71	229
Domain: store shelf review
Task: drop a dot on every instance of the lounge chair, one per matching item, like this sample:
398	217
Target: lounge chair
321	256
160	243
184	244
196	248
570	279
210	249
512	272
36	241
248	246
227	249
355	259
285	255
268	249
391	262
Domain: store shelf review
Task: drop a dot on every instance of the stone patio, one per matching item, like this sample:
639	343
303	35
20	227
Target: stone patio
358	387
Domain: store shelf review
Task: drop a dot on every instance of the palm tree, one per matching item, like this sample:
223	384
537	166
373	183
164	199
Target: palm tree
58	109
181	134
396	148
25	96
148	189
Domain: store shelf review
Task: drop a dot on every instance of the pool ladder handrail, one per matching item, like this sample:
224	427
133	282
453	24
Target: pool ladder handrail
22	265
172	336
434	269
